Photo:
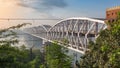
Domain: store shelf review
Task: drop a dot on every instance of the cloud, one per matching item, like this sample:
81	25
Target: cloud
10	9
55	3
42	4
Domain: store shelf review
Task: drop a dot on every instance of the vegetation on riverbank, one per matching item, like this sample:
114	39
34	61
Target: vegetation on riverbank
105	52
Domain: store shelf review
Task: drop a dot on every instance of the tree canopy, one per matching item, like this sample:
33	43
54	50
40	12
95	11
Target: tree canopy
105	52
12	56
56	56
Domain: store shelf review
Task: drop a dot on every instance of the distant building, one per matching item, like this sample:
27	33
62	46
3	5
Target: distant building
111	13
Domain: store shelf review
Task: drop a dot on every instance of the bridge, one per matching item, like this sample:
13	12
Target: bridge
77	31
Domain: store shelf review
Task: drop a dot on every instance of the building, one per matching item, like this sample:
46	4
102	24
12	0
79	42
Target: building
111	13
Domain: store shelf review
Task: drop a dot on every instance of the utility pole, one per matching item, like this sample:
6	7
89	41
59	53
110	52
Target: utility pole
31	56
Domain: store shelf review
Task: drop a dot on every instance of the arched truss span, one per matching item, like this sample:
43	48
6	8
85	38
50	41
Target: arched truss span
78	31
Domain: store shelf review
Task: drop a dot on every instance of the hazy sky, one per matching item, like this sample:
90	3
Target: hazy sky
54	8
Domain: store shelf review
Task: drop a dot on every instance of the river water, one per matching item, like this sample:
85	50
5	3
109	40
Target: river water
29	40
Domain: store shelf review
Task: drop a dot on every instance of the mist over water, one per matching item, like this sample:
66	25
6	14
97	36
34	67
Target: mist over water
28	40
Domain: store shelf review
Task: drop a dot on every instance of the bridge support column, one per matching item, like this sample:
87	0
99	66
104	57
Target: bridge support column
44	42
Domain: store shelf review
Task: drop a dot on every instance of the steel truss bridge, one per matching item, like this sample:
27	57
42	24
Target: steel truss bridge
78	31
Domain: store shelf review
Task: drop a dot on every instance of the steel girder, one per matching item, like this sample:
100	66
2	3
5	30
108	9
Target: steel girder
78	31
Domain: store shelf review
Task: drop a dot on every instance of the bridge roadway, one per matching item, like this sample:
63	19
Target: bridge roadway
78	31
44	39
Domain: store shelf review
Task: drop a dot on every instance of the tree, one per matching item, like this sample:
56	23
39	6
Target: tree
105	52
11	56
56	56
35	63
15	57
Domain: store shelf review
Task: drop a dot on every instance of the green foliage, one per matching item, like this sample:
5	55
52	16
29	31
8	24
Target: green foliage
56	56
65	42
42	66
15	57
105	52
35	63
12	57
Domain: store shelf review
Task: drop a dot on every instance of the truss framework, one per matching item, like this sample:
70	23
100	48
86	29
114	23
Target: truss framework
78	31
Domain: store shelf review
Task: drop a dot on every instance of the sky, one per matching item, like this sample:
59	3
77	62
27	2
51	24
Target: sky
53	9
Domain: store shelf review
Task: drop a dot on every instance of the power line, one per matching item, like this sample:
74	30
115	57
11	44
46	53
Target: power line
28	19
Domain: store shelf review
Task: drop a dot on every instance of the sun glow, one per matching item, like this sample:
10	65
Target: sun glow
11	9
7	8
